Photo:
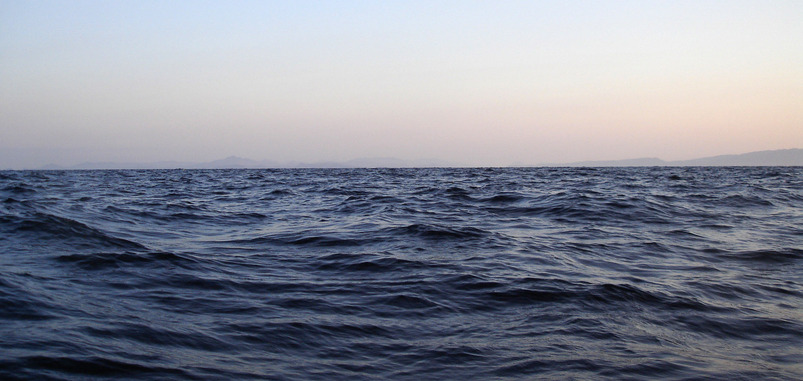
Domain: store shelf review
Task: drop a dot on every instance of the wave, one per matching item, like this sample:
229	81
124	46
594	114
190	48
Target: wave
478	273
48	227
301	240
788	255
430	233
435	232
21	304
373	263
91	366
101	261
601	296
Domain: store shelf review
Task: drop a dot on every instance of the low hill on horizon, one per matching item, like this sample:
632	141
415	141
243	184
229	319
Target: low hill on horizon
782	157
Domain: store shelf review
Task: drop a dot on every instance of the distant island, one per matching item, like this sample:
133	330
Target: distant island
784	157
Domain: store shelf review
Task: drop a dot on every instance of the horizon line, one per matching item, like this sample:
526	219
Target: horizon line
793	157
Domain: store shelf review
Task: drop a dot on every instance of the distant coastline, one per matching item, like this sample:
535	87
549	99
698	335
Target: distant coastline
782	157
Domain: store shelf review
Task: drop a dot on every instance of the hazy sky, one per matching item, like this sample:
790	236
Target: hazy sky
474	82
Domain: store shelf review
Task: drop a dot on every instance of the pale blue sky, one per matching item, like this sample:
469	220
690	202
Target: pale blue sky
473	82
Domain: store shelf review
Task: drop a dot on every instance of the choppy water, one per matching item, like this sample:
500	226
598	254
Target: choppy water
554	273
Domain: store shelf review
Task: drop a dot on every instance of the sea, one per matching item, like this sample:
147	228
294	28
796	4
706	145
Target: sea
666	273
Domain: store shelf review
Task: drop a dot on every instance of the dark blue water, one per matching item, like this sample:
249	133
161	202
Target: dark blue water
661	273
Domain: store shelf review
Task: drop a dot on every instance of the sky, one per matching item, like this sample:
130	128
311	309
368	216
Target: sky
471	82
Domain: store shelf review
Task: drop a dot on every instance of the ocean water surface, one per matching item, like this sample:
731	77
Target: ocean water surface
408	274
